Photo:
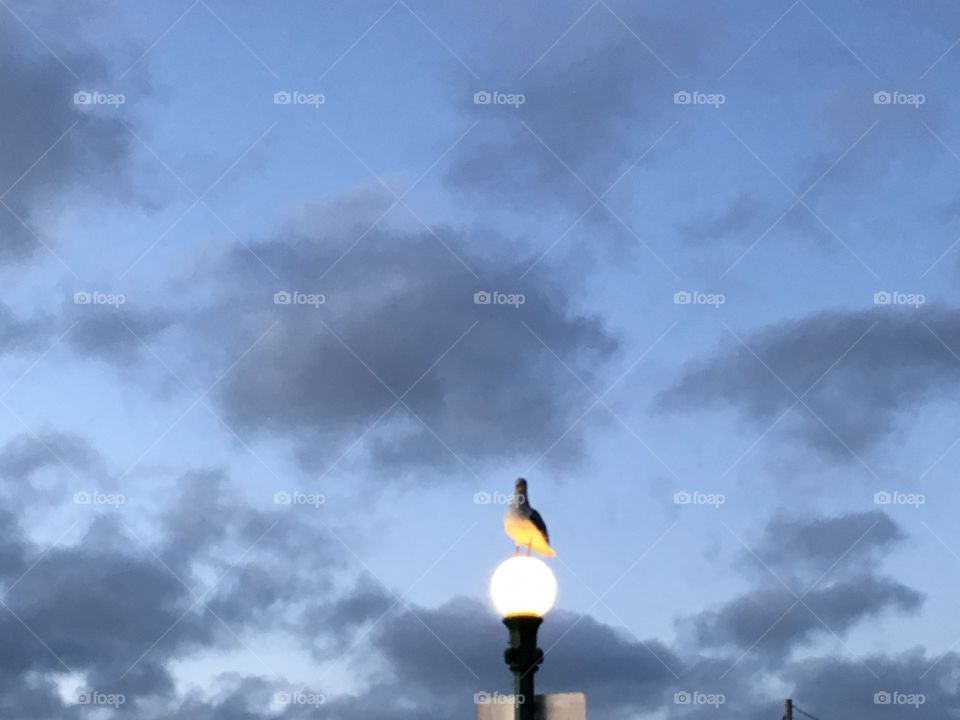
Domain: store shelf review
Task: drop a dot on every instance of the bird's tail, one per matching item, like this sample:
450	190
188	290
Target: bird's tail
548	551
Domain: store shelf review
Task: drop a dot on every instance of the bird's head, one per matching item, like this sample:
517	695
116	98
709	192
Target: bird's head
520	491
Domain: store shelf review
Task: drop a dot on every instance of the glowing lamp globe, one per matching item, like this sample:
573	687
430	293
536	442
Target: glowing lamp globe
523	586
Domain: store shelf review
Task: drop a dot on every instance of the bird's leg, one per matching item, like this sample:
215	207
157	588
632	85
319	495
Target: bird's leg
529	546
516	549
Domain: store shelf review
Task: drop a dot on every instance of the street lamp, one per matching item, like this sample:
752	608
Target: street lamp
523	589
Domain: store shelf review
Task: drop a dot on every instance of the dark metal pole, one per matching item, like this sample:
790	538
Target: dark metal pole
788	709
523	657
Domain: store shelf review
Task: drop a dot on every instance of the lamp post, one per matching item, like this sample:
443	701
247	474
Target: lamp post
523	589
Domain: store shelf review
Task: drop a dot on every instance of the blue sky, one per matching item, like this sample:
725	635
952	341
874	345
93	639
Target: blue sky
734	230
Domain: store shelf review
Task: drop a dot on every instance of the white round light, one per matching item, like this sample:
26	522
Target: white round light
523	585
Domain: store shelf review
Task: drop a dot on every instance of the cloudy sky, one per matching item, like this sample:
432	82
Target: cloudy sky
293	291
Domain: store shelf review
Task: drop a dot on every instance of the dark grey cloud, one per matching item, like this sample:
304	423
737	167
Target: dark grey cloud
115	334
24	455
46	466
365	604
814	546
287	550
773	622
619	672
50	144
113	611
399	319
96	612
858	371
813	577
15	548
845	687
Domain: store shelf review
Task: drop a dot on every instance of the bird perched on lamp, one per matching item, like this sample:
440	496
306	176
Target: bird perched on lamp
524	525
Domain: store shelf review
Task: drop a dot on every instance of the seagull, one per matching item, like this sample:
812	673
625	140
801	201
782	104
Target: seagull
524	524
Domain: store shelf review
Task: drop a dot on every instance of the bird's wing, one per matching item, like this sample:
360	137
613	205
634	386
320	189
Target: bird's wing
539	524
